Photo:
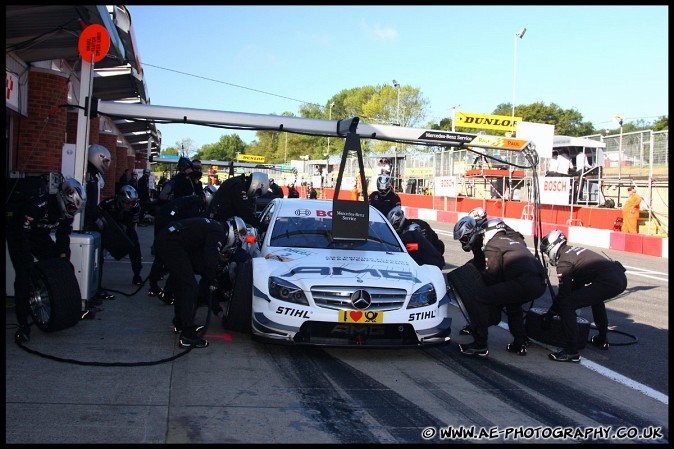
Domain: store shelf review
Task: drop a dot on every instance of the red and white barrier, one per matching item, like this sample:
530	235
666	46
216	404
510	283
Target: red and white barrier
581	235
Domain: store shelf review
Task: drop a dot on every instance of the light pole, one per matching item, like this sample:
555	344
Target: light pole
285	152
396	84
619	120
451	151
327	156
330	118
519	34
454	116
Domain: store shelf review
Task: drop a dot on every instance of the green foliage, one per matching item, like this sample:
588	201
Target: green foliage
224	149
661	124
164	168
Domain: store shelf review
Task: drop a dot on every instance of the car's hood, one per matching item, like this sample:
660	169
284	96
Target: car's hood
346	267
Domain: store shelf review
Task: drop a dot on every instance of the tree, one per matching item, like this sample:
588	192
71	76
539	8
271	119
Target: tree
661	123
567	122
225	149
186	147
379	105
162	167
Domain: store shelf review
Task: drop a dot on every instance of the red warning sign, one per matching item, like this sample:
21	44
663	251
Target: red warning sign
94	43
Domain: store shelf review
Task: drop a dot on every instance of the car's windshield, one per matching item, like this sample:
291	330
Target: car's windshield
311	232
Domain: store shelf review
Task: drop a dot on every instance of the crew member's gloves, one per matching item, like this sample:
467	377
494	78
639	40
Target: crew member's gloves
213	285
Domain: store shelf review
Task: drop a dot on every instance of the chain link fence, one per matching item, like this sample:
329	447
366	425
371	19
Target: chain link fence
639	158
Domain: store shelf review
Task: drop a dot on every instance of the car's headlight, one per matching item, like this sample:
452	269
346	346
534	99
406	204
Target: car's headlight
286	291
425	296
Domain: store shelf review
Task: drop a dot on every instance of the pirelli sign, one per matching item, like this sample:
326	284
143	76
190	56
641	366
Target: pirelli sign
484	121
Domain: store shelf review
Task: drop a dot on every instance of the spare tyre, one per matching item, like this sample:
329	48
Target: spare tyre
55	299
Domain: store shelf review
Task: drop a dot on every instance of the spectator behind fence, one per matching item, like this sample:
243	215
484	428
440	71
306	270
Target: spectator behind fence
631	211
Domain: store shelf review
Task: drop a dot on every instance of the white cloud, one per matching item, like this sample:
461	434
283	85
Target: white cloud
379	32
323	40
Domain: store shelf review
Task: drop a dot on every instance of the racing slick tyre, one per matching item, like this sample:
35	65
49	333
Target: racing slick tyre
465	282
55	302
551	332
238	311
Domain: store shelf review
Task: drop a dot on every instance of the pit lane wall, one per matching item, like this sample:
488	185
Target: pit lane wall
591	226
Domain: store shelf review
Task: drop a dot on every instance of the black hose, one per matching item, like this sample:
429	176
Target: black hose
633	337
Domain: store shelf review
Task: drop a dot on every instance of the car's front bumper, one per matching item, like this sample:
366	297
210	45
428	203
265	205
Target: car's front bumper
282	322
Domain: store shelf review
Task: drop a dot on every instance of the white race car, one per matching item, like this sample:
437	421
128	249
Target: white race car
307	288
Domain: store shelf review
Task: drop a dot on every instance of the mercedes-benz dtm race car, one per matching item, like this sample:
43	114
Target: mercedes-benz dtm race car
308	288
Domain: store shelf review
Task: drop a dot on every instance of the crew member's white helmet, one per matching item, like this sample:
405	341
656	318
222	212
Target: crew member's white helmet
492	227
209	193
99	157
396	217
551	244
384	183
480	216
71	197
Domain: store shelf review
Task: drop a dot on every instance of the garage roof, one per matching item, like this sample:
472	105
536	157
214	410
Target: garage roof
42	33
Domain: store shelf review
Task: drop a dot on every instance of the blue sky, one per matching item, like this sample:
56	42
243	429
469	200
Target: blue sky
600	60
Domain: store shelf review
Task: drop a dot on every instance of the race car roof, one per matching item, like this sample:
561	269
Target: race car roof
297	207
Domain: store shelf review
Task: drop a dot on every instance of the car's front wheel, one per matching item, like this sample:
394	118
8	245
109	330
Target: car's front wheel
238	311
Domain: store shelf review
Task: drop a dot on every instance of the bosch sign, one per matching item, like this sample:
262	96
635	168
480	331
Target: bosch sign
555	190
555	186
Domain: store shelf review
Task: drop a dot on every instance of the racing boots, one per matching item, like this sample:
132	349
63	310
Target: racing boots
472	349
191	338
466	330
165	297
22	335
518	346
601	343
563	356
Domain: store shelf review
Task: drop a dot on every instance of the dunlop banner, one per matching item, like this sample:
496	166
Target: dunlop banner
249	158
484	121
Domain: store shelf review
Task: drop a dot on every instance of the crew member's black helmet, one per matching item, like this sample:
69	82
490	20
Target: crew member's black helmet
258	184
467	232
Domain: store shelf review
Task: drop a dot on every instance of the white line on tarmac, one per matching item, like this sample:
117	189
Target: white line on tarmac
648	391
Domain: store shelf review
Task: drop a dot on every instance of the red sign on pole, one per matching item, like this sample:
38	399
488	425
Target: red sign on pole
94	42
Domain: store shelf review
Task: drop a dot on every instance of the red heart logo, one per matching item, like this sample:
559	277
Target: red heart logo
355	316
